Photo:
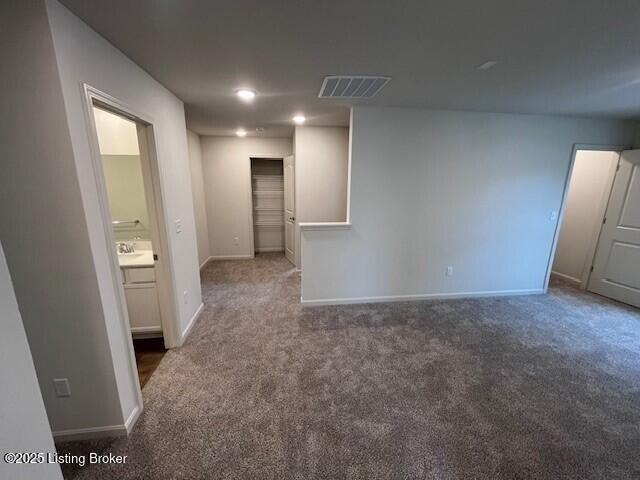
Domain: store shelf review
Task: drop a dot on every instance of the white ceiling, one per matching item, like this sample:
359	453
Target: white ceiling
576	57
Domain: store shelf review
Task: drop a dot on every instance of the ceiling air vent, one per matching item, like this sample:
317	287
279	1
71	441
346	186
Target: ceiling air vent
350	86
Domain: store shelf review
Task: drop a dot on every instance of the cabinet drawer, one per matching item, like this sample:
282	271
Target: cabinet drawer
139	275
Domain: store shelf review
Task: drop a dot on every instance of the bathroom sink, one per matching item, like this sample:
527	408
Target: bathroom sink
139	258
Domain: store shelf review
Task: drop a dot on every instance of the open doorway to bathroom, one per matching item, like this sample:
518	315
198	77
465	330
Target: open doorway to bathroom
125	173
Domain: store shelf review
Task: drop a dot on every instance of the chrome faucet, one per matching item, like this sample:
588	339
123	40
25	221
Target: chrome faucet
125	247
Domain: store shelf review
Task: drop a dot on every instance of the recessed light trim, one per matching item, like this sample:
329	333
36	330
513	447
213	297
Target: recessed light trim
487	65
246	94
241	132
299	119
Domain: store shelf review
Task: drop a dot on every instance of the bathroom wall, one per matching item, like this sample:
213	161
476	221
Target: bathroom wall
118	140
125	188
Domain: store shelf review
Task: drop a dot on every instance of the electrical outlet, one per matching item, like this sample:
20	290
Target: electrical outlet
61	386
184	297
449	271
236	240
178	226
553	215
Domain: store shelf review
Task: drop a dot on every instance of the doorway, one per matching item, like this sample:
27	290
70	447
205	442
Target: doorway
128	187
598	245
267	200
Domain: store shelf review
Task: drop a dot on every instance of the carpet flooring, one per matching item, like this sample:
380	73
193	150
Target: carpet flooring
529	387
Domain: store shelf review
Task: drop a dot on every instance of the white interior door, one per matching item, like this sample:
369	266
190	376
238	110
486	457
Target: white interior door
289	209
616	267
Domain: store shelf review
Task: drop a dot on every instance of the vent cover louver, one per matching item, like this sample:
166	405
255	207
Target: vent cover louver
352	86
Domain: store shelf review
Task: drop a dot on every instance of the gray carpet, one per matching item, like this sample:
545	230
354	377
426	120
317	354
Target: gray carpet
529	387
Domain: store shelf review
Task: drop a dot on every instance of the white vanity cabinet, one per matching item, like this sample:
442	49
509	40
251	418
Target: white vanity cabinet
142	300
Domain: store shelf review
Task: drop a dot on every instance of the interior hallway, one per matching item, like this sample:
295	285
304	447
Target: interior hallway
537	387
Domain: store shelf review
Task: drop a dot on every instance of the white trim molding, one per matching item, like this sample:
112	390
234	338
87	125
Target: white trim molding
105	431
566	277
192	322
417	297
206	260
305	227
229	257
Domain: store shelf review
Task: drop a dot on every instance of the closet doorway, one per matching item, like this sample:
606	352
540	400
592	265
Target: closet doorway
267	201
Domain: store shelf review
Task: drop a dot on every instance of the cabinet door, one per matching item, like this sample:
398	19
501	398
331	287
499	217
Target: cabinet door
143	307
139	275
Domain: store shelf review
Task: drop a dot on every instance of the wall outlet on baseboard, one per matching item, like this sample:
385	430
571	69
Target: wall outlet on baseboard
178	226
61	386
449	271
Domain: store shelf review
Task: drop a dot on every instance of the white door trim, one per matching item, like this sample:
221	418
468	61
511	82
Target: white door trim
563	202
252	248
168	308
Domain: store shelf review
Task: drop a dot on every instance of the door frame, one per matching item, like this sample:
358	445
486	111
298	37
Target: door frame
563	204
252	246
164	275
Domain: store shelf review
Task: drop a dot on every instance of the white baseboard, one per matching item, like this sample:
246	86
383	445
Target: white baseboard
229	257
105	431
568	278
191	323
206	260
133	418
269	249
410	298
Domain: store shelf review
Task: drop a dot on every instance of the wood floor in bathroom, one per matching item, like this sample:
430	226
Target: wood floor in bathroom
149	352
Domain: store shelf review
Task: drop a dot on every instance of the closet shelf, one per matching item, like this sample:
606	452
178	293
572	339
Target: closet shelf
268	193
265	223
268	209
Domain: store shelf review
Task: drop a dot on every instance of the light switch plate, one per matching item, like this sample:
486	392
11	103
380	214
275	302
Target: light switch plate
61	386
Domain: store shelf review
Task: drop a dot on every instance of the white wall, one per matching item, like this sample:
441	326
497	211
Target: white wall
199	200
227	186
116	135
44	232
51	224
431	189
321	165
84	56
589	189
25	427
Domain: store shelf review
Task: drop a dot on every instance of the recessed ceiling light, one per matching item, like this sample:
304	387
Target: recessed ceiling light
299	119
241	132
246	94
487	65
